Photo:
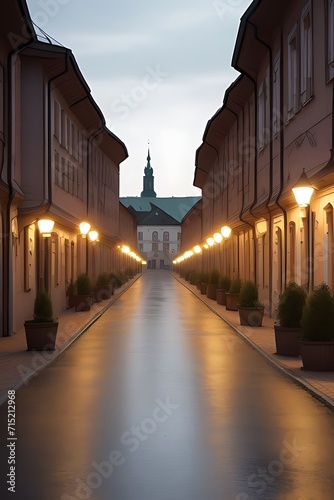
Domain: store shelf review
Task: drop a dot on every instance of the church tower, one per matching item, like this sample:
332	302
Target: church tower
148	180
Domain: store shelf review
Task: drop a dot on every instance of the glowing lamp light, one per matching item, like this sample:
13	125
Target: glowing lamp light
45	226
93	235
197	249
226	231
125	249
217	237
210	242
144	262
84	228
206	246
303	190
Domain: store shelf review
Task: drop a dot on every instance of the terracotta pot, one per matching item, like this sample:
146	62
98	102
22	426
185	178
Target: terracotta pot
203	288
221	297
211	291
317	356
41	336
287	340
231	301
251	316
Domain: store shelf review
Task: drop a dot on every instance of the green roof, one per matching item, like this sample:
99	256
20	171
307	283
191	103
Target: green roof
176	207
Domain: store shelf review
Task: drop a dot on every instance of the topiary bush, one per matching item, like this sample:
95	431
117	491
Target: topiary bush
225	283
235	285
318	315
43	308
249	295
290	305
214	277
83	285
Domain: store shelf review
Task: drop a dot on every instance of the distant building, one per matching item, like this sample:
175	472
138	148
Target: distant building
158	221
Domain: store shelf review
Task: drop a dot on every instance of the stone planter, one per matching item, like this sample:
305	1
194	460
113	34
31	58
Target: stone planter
211	291
317	356
203	288
251	316
41	336
286	338
221	297
231	301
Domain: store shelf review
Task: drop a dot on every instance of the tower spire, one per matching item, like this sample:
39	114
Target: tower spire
148	179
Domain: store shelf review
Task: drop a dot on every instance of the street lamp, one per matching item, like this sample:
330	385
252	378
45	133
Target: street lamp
303	190
45	227
84	228
226	232
93	235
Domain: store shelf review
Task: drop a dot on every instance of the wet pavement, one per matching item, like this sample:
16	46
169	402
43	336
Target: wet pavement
161	400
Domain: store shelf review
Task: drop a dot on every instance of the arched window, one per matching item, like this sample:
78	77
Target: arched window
140	235
166	236
155	236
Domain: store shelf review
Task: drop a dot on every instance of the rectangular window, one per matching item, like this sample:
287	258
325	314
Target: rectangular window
263	112
69	135
166	247
64	169
276	96
70	177
330	38
306	55
292	73
155	247
141	247
57	170
57	120
63	129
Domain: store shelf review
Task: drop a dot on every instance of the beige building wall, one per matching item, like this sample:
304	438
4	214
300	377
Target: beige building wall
276	120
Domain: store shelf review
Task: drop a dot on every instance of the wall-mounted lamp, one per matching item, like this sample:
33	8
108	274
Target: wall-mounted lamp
261	227
197	249
217	237
84	228
93	235
45	227
210	242
303	190
226	231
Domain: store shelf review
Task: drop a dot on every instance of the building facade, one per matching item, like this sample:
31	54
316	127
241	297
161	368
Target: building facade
276	121
63	166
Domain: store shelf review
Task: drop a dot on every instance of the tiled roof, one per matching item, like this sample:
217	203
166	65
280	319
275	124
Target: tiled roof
176	207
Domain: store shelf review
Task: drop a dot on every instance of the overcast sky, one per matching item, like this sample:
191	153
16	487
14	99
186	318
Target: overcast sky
157	69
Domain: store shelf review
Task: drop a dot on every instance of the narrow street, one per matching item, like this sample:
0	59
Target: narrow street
161	400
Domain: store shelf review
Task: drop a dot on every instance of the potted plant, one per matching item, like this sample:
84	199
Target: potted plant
83	297
289	315
250	310
101	291
214	277
223	287
204	283
317	339
41	332
232	296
